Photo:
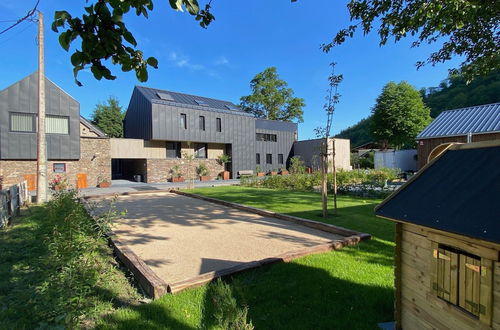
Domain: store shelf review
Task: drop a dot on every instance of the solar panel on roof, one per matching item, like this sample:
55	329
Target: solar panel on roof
165	96
202	103
231	107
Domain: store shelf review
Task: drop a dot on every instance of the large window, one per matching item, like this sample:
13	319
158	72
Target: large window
257	158
462	279
22	122
269	158
202	123
280	158
184	121
173	150
266	137
56	125
218	124
200	150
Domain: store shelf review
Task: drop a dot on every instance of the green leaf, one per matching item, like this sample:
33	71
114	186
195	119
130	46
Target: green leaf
76	58
142	74
129	38
64	40
97	72
153	62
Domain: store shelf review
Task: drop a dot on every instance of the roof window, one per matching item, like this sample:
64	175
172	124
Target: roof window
165	96
201	102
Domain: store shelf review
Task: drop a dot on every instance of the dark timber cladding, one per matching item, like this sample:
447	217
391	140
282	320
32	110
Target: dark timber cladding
458	192
21	99
169	116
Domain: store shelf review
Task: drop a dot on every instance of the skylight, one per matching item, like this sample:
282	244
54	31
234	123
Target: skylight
165	96
231	107
201	102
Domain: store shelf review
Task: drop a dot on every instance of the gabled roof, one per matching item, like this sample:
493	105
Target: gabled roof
476	119
457	192
92	127
193	101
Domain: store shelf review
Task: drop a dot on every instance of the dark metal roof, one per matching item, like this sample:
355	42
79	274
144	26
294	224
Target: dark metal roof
476	119
92	127
193	101
275	125
458	192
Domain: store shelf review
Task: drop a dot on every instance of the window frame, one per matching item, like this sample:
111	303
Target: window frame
197	148
281	159
266	137
55	165
177	148
201	123
56	116
218	124
183	121
33	122
257	158
269	159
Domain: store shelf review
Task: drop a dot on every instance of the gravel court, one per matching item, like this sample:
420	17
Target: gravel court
180	237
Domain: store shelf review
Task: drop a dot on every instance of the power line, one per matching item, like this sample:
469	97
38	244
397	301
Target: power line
22	19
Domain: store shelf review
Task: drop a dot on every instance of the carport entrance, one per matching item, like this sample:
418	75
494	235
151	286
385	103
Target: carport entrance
129	169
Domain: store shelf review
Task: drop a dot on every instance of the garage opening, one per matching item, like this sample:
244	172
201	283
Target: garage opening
129	169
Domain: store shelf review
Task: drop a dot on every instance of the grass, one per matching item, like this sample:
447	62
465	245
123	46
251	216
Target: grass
31	294
346	289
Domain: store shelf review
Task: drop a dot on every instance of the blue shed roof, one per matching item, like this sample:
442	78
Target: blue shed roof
476	119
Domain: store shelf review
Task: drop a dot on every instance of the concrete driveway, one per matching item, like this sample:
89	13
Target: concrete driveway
181	237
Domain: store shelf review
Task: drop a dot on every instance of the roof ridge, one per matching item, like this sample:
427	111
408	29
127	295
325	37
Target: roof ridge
185	94
470	107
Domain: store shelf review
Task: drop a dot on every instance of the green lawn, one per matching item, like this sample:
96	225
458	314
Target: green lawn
347	289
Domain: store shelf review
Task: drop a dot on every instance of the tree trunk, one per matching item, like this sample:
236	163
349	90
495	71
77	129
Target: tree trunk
334	180
324	178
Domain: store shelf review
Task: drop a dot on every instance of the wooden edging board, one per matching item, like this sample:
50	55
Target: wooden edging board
155	287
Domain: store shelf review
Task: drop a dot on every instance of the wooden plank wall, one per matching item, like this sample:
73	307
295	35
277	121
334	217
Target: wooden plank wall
420	308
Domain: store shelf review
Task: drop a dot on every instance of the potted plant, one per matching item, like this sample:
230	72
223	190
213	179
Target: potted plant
103	183
273	172
58	183
283	171
223	159
259	171
203	172
176	174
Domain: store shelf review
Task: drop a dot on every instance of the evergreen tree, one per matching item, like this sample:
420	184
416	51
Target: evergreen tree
109	117
399	115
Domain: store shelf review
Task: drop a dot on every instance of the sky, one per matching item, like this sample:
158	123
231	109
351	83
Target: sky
219	62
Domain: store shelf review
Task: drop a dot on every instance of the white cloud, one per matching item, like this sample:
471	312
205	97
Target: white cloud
222	60
184	62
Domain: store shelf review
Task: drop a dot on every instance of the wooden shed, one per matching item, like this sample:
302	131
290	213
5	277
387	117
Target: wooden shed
447	269
471	124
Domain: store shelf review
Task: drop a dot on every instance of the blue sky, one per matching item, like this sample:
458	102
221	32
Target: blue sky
220	61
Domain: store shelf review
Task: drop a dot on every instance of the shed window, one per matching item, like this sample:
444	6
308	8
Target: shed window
462	279
183	121
22	122
200	150
56	125
269	158
218	124
202	123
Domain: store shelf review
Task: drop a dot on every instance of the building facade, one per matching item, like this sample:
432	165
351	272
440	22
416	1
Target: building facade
75	148
175	127
309	152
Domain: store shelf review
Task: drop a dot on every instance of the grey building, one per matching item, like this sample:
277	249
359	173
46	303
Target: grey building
185	124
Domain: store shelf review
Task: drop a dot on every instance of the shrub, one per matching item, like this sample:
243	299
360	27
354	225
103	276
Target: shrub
250	181
176	171
297	166
202	170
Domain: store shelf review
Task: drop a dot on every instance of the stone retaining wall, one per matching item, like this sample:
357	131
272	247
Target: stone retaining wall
158	170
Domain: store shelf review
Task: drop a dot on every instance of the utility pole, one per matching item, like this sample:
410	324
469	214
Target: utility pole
41	159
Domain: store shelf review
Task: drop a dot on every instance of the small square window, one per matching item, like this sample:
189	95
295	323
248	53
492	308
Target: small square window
200	150
59	167
165	96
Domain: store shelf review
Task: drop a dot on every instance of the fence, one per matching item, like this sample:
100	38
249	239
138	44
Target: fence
11	200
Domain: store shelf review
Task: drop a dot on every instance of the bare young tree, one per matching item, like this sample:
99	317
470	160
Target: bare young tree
323	132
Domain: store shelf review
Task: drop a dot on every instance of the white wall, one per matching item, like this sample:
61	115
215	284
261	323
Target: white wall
402	159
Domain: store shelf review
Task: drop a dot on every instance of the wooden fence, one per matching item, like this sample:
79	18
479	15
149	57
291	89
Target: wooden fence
11	200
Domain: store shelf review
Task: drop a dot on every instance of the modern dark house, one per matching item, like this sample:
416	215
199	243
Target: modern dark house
175	126
447	216
75	148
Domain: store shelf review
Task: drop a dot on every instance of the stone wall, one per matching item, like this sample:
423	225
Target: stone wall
94	161
158	170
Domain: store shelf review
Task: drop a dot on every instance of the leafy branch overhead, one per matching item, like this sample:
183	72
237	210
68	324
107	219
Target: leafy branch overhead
104	36
466	28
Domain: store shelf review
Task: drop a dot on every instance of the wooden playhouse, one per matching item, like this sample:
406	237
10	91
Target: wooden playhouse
447	273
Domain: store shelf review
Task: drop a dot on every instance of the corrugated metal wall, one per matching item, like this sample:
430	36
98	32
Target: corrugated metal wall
137	123
23	97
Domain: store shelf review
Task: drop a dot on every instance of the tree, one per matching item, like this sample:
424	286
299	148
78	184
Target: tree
466	28
399	115
332	98
271	99
109	117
